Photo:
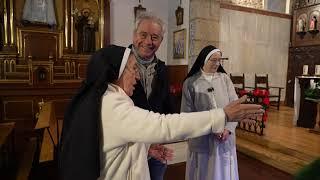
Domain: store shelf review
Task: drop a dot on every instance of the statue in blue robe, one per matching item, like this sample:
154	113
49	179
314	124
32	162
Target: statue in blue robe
39	11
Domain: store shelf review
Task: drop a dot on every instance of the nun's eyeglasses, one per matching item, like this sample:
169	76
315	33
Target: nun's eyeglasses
217	61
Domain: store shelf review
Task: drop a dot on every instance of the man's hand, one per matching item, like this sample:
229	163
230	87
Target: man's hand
235	111
160	152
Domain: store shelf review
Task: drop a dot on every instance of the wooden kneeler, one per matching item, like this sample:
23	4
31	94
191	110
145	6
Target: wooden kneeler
30	158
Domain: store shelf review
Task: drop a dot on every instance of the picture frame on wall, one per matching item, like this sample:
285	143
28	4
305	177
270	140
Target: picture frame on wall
138	10
179	16
179	44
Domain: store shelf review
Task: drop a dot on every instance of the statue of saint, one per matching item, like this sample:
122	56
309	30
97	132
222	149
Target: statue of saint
301	25
86	28
39	11
313	23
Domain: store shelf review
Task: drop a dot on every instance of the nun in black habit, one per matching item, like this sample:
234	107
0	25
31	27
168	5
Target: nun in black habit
209	87
79	148
105	136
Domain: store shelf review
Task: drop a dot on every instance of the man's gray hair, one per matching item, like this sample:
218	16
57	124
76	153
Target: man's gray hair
149	16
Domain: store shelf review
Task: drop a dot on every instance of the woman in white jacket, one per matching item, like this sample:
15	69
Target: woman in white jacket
123	140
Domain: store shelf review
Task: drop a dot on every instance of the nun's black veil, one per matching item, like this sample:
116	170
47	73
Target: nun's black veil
198	64
79	148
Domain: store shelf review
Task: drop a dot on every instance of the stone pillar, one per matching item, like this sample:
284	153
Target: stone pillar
204	26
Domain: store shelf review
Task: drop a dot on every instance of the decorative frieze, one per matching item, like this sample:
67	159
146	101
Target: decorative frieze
257	4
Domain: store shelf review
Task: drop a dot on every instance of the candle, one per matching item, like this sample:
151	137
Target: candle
305	70
317	70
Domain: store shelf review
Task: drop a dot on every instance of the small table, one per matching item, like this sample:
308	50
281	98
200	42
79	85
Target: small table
316	128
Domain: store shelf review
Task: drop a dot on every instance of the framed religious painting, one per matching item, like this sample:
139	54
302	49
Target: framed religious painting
179	16
179	44
87	28
138	10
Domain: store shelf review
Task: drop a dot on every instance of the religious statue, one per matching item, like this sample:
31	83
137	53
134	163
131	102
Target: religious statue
39	11
301	25
86	28
313	23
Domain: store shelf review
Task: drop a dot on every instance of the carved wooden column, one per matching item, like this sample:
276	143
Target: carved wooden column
9	27
67	27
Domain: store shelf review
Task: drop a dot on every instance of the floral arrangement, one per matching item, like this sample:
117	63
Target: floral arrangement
260	96
313	92
256	96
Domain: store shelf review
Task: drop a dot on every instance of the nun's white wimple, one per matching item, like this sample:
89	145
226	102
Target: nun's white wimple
210	54
124	61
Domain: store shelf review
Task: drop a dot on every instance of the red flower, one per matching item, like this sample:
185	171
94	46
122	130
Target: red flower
256	92
243	92
265	93
266	101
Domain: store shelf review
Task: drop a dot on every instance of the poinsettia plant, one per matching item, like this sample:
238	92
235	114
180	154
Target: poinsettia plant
260	96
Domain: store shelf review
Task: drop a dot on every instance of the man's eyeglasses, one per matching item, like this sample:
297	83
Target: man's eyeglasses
154	37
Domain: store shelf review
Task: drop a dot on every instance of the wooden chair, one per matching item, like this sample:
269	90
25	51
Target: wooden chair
262	82
239	83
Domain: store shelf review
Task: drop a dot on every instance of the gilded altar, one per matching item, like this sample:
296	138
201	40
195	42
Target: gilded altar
46	58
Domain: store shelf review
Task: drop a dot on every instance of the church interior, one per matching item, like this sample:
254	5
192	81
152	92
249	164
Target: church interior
45	46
